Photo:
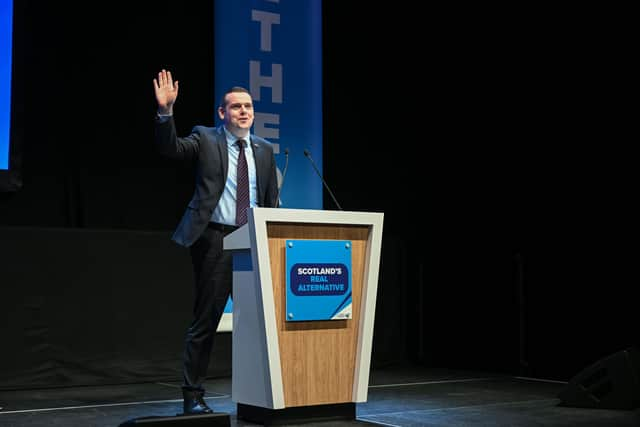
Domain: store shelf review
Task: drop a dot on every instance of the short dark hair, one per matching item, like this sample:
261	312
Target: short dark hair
232	90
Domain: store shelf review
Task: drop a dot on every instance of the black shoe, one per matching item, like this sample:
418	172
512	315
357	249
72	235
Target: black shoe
194	403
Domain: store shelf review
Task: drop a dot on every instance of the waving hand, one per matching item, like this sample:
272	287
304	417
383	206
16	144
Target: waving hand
166	92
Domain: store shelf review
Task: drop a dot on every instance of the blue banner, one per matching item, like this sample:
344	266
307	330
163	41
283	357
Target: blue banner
6	28
274	49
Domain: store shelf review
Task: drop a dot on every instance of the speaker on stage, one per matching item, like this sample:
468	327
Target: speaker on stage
610	383
205	420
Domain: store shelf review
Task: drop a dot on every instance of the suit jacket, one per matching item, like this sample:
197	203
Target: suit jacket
206	147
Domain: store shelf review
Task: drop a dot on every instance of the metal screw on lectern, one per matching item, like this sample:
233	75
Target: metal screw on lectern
347	245
290	315
290	244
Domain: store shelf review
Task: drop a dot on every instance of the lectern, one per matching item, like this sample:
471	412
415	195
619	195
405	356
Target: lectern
304	297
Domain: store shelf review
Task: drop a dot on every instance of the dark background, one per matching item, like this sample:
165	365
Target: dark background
496	142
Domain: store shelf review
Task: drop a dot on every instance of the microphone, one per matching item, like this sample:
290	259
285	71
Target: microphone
307	154
284	173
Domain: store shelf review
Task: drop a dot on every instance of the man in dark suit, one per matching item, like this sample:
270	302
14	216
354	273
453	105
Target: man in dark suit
235	170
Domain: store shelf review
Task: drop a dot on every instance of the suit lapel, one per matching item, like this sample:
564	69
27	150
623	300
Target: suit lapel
257	154
221	142
260	166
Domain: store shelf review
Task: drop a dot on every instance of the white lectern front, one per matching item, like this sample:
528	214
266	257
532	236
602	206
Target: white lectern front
296	370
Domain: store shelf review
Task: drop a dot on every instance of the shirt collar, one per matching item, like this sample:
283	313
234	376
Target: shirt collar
231	138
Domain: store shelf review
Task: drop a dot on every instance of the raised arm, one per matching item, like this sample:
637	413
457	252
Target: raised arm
167	141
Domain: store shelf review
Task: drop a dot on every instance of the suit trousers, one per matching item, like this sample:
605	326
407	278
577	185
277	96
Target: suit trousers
213	274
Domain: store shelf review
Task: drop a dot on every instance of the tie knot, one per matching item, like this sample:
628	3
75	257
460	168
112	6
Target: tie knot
240	143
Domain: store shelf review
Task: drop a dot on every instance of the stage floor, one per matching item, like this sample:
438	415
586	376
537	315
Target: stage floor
400	396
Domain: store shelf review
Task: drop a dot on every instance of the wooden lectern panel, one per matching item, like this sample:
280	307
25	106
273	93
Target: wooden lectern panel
317	357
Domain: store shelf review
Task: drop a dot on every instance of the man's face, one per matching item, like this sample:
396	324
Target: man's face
237	114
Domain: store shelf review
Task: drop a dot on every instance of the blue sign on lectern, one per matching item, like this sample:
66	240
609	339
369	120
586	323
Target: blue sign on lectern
318	280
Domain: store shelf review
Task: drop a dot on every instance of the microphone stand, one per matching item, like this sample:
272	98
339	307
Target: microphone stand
284	173
308	156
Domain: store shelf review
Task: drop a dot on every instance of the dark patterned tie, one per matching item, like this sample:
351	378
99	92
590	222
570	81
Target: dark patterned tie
242	188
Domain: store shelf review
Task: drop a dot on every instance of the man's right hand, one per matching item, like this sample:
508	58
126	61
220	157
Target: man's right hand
166	92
